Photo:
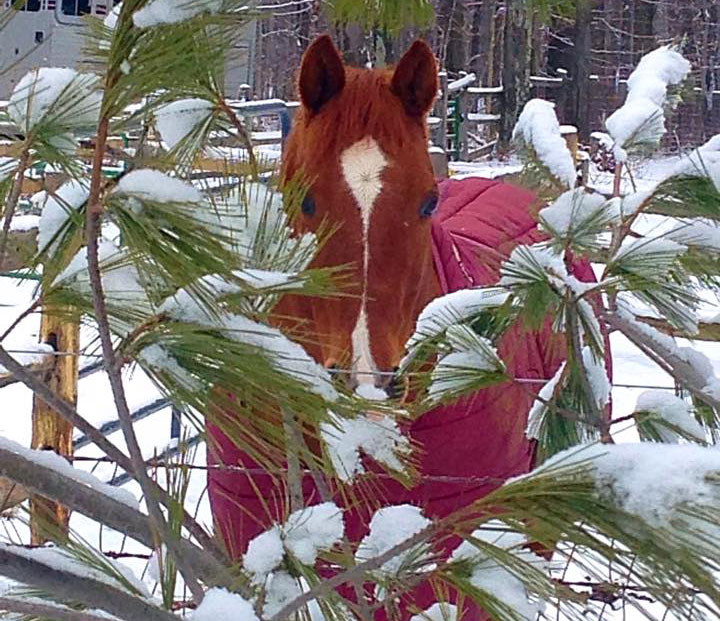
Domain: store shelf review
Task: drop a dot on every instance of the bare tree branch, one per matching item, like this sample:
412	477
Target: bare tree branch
706	331
72	587
105	510
48	611
680	368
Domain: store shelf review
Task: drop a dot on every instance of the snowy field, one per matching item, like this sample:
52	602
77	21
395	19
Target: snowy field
633	373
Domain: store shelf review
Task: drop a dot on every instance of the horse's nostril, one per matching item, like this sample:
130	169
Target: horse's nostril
394	385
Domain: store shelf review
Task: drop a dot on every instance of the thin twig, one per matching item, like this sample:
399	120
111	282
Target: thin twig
243	136
92	233
20	317
293	440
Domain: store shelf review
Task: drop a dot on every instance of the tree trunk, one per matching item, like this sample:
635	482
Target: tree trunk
579	113
49	430
515	70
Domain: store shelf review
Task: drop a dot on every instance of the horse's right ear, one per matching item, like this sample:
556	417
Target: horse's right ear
415	80
322	75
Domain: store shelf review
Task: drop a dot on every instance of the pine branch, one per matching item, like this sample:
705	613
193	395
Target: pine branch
69	586
103	509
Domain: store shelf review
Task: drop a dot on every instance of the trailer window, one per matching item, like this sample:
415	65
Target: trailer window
76	7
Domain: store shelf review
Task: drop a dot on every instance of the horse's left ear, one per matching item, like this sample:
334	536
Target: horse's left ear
415	80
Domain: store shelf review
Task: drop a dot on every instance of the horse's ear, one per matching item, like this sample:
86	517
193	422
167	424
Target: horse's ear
322	75
415	80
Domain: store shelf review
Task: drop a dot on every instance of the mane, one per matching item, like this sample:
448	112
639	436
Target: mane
366	107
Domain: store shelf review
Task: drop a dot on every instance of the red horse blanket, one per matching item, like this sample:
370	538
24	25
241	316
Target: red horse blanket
468	448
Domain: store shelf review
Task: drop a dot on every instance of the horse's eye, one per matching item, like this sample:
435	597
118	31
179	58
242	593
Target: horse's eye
308	205
429	206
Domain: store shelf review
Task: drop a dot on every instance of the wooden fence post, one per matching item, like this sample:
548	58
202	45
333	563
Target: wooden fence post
443	112
49	430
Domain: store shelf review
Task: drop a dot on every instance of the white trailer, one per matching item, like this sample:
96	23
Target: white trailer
51	33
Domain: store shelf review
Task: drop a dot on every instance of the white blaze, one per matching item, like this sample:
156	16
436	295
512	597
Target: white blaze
362	166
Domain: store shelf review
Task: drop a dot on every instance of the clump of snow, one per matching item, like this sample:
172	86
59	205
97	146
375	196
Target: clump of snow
702	162
672	410
631	203
152	185
573	209
59	206
380	438
314	528
440	611
221	604
539	129
488	575
389	527
264	553
529	264
604	140
526	263
304	533
597	377
472	355
641	120
539	406
160	12
58	95
254	220
649	480
453	308
52	461
178	119
280	590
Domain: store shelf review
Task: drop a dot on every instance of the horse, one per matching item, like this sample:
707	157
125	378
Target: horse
361	139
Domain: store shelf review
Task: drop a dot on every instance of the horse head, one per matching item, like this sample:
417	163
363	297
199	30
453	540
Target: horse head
360	142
